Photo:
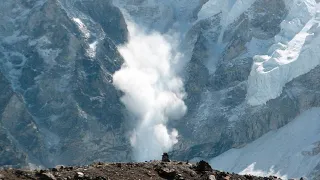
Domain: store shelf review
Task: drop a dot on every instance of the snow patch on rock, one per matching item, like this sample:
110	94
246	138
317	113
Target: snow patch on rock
230	10
49	55
82	27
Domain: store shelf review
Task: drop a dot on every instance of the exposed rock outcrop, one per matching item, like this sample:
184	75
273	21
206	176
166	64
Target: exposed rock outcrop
57	98
148	170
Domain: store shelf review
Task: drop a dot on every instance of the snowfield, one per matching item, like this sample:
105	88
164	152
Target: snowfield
289	152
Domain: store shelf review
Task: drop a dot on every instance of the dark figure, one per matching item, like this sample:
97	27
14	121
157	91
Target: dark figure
203	166
165	157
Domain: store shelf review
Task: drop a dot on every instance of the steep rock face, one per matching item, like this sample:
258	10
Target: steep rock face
20	137
161	16
220	117
114	26
9	151
59	58
221	111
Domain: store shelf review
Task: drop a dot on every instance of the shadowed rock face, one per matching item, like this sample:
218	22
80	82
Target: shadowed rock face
19	135
58	103
115	26
8	150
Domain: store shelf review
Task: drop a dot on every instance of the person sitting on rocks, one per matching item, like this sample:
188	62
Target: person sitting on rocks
165	157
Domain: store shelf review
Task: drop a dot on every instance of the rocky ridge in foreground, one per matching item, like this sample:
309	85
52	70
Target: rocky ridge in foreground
147	170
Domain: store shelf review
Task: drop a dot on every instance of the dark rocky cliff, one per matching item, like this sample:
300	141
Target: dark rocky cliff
57	99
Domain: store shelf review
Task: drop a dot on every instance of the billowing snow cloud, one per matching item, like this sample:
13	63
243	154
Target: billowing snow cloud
153	93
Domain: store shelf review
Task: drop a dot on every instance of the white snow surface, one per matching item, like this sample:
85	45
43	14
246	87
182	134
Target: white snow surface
82	27
294	53
289	152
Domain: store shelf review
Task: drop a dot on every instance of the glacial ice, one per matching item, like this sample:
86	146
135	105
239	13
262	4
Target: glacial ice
294	53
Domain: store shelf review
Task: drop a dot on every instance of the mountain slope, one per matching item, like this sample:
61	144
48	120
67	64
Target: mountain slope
291	151
147	170
58	57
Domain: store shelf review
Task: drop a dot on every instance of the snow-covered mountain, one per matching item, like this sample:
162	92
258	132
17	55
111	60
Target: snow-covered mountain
244	73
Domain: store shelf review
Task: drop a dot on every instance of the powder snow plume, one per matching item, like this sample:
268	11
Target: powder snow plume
153	93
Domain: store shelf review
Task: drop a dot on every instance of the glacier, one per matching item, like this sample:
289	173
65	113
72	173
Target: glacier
288	58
